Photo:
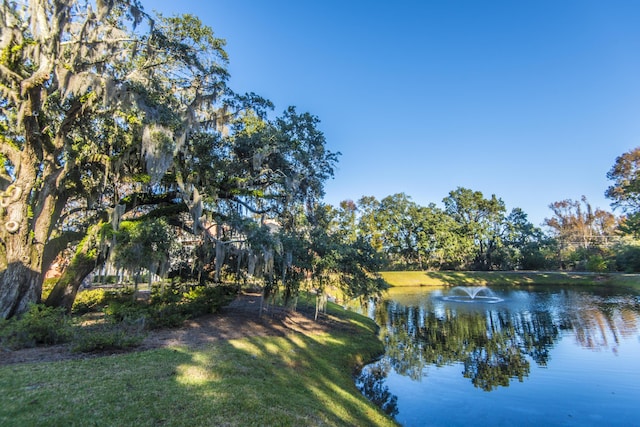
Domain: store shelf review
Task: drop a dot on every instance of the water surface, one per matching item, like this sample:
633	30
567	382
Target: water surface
539	356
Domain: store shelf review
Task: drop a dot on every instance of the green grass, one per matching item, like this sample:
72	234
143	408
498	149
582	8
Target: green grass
629	280
285	381
482	278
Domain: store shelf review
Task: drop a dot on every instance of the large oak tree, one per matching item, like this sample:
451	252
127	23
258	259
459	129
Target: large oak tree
107	111
91	93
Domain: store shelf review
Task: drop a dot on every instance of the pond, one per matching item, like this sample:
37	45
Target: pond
512	356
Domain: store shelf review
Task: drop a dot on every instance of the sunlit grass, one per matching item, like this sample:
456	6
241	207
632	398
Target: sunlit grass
285	381
482	278
631	280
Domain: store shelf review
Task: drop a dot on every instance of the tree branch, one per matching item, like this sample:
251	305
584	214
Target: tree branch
12	76
249	207
70	118
37	79
56	245
140	199
10	151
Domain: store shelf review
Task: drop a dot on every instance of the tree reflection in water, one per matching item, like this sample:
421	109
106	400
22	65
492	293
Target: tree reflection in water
370	382
494	344
599	323
491	345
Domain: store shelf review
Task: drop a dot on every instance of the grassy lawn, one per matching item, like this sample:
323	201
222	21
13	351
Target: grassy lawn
297	380
479	278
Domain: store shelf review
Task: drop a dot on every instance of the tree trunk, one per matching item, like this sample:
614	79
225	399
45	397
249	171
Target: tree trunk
149	277
25	228
19	287
136	281
315	317
21	252
66	288
85	260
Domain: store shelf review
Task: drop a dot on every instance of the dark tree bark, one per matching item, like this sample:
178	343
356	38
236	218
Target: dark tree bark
16	299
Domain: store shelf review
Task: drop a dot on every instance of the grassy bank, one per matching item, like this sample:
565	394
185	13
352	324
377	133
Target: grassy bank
285	381
482	278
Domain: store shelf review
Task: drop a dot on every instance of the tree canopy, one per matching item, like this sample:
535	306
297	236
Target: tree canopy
625	190
108	112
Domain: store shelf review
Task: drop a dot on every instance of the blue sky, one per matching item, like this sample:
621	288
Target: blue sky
529	100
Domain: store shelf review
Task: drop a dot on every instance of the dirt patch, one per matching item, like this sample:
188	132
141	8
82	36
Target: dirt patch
239	319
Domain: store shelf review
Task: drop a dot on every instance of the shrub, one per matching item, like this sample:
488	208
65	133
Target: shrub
153	316
125	311
169	308
7	327
597	264
39	325
109	279
89	300
165	315
119	336
205	300
124	294
628	258
166	294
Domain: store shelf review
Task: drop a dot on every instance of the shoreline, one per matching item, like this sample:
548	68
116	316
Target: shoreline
516	278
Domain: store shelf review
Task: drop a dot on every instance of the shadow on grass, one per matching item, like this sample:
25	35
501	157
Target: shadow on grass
288	381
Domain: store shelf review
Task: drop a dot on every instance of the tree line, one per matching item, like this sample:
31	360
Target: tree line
474	232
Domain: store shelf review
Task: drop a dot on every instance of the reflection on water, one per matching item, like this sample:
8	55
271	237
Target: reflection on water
599	323
493	344
371	384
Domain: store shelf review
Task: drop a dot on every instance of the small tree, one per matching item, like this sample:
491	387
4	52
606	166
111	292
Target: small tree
143	245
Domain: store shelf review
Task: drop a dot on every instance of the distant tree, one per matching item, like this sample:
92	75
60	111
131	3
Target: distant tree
625	191
339	260
479	220
524	243
471	232
576	225
369	225
346	218
397	219
404	232
438	244
627	255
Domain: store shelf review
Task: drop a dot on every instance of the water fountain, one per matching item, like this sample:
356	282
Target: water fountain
472	294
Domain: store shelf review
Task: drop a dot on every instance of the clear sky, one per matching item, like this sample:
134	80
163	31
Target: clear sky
529	100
